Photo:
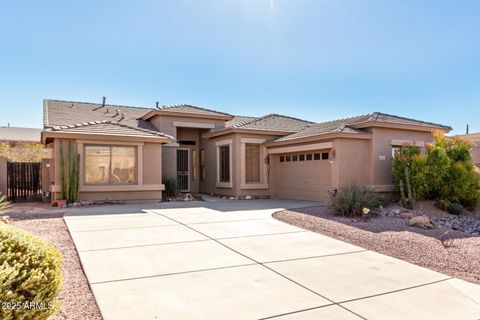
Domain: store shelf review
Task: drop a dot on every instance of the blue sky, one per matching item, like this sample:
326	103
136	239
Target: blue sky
313	59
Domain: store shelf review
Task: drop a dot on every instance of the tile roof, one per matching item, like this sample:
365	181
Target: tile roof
60	113
274	122
20	134
344	125
186	108
237	120
106	127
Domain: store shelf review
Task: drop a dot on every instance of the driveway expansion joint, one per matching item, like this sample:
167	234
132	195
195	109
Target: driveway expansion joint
267	267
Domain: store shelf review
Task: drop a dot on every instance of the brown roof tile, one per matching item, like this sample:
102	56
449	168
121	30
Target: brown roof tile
104	127
186	108
274	122
20	134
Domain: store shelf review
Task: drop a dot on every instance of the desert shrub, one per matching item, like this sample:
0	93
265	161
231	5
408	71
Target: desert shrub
456	209
171	188
30	275
351	200
444	173
443	204
4	204
409	157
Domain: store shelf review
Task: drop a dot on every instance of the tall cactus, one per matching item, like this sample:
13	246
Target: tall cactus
70	179
408	202
62	172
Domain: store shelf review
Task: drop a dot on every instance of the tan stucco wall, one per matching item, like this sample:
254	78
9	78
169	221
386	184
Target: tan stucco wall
350	164
165	123
381	147
47	174
152	163
3	175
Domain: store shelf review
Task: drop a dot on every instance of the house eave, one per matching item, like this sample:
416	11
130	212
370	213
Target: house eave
93	136
226	131
323	136
397	125
154	113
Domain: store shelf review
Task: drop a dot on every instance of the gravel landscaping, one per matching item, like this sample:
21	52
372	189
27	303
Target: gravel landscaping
47	222
452	252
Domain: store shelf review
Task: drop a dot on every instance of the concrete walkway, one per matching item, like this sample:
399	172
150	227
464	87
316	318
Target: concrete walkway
231	260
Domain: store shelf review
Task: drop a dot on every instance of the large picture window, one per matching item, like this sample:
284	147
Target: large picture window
252	163
110	165
224	167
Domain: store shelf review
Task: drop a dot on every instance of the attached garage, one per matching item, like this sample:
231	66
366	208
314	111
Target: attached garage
303	175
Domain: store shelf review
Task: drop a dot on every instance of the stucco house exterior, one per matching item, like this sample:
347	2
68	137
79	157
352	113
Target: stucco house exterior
125	151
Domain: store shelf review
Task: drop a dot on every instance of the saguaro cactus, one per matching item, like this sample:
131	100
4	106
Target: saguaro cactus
70	179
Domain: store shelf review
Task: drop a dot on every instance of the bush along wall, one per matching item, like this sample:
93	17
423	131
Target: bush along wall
30	275
445	173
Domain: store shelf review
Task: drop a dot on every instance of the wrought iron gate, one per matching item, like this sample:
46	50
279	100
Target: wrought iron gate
183	173
24	181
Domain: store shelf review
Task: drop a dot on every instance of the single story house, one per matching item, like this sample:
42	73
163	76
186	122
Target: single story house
126	151
17	135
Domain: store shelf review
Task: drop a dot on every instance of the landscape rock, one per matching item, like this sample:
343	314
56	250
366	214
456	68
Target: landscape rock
407	215
421	222
188	197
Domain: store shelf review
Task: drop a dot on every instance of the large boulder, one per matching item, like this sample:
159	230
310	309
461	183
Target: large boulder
421	222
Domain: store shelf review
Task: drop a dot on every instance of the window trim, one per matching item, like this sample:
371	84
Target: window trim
263	183
83	156
219	144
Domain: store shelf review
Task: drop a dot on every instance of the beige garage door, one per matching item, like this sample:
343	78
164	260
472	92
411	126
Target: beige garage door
304	176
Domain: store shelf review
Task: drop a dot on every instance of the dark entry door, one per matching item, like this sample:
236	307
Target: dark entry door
24	181
183	173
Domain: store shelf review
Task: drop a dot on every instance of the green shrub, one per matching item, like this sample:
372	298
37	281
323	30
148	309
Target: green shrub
409	157
456	209
30	273
444	173
171	188
443	204
351	200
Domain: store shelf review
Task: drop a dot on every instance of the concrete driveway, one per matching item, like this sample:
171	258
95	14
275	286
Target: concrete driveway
231	260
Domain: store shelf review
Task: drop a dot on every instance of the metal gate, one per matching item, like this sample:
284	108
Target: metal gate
24	181
182	170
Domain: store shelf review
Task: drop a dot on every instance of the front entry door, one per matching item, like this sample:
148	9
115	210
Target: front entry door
183	173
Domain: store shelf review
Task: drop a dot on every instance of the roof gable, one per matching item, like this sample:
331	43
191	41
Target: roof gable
274	122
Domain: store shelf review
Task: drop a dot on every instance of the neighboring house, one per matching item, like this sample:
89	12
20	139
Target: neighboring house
125	151
14	135
474	138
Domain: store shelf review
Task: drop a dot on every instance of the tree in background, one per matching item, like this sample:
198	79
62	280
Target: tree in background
23	152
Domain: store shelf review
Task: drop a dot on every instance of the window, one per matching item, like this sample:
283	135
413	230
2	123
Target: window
325	155
224	168
194	165
295	157
252	163
309	157
316	156
395	150
282	159
301	157
110	165
202	165
288	159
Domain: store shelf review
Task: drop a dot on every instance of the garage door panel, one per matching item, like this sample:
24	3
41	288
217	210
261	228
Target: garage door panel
304	180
